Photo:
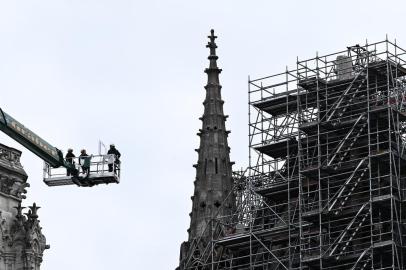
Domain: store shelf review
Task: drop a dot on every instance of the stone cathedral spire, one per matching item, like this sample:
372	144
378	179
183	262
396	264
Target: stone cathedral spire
213	185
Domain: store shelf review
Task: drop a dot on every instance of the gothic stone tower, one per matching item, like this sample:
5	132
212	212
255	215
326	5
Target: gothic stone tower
21	241
213	186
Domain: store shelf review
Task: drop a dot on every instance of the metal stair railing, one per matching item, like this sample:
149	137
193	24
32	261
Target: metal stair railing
342	204
347	243
354	140
338	102
337	150
368	259
336	198
347	231
350	100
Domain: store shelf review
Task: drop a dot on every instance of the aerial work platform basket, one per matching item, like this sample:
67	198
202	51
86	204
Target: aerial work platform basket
104	169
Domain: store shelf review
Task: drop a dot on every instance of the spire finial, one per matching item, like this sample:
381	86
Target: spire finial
212	38
212	43
212	46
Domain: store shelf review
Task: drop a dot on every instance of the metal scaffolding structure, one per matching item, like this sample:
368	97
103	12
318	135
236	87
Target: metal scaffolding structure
326	184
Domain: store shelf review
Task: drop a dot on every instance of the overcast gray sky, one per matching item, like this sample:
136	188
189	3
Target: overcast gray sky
131	72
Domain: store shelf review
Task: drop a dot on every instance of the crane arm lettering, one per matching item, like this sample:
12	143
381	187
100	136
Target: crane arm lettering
30	140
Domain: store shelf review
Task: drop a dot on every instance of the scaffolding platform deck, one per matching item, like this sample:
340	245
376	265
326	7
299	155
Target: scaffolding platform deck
280	148
285	102
312	83
381	112
335	87
381	68
278	105
278	189
234	241
309	127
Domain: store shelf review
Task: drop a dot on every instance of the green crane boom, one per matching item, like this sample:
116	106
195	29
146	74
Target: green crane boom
17	131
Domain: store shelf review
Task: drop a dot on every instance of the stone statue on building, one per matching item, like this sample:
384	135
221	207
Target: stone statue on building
22	243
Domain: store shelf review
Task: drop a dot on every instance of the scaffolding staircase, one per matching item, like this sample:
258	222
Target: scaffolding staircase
363	261
344	147
344	193
346	98
341	244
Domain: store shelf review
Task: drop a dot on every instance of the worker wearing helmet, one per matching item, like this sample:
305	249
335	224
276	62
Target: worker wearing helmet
113	151
84	160
69	158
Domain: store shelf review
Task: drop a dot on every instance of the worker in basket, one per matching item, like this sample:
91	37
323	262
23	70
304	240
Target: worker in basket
69	158
113	161
84	161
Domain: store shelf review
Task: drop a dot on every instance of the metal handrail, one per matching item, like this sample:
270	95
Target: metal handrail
98	165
